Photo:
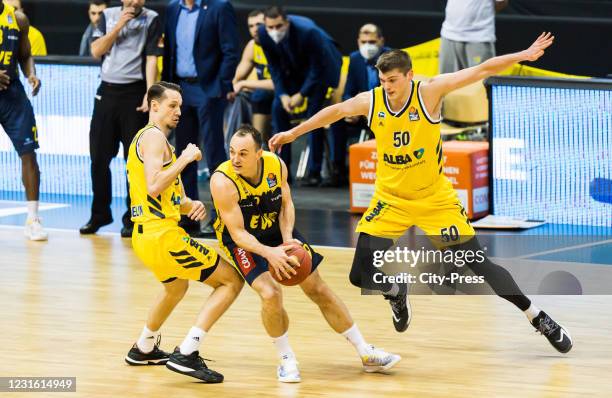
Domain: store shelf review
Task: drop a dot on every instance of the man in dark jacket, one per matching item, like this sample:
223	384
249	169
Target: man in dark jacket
304	63
362	76
201	54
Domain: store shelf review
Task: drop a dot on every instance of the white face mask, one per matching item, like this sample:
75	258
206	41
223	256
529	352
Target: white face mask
368	50
277	35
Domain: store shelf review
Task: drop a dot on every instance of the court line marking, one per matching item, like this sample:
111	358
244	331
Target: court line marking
344	248
108	233
20	207
562	249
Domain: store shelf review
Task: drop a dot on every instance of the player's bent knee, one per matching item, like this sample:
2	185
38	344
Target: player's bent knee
318	291
177	289
271	294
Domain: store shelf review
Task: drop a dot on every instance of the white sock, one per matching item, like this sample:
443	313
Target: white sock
353	335
147	339
283	347
192	341
32	209
532	312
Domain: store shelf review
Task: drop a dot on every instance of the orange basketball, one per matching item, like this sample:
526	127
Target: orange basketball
303	257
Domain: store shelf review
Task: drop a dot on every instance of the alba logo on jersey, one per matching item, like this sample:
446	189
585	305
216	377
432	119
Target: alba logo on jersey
376	211
403	158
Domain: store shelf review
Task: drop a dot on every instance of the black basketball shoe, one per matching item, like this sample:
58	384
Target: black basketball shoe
135	357
556	334
192	365
400	308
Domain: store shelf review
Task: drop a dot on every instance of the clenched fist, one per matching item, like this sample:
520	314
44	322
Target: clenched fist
192	153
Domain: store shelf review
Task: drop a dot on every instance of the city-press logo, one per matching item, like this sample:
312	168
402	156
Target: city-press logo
413	114
272	181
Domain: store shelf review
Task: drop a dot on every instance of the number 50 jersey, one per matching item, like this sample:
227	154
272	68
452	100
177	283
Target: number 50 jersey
408	144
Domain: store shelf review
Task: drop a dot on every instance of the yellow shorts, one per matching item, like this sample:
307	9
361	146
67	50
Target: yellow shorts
168	251
439	213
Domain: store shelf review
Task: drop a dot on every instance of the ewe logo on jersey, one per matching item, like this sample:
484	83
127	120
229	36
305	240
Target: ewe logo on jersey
263	221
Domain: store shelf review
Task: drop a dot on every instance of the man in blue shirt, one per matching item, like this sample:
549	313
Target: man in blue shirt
362	76
201	54
304	63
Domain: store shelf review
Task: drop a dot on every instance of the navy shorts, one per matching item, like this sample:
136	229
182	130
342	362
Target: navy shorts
17	118
251	265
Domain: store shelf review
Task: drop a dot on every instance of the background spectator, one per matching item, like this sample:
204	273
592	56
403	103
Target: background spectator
468	33
37	40
201	54
127	39
94	12
262	89
362	76
16	113
304	63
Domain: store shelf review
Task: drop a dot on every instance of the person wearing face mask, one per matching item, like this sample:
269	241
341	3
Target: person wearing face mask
127	40
304	63
362	76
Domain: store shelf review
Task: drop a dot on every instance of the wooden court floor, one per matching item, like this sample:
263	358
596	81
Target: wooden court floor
73	306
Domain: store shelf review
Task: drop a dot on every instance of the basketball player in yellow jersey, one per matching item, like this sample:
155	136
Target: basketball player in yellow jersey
256	215
157	202
261	89
410	187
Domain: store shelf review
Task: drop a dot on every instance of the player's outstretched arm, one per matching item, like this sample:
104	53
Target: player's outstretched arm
225	196
441	85
152	146
356	106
